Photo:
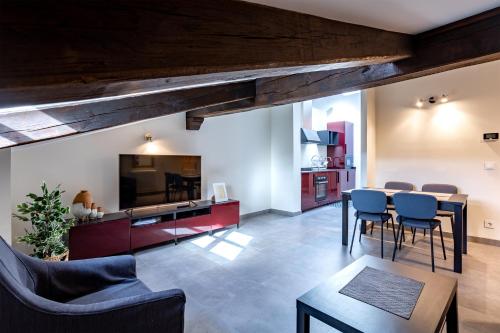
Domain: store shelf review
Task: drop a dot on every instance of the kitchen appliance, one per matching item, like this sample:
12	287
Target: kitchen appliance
309	136
321	188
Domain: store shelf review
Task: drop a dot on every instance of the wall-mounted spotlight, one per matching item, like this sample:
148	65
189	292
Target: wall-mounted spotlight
432	100
148	137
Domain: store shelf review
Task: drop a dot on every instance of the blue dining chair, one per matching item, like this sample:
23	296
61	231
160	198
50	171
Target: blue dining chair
395	185
371	206
417	211
442	188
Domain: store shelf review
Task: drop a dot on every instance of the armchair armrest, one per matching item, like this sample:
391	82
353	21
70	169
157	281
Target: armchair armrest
71	279
153	312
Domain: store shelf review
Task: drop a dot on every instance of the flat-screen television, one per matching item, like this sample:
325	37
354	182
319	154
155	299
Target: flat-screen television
149	180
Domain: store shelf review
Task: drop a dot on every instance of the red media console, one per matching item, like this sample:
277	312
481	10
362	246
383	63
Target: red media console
121	232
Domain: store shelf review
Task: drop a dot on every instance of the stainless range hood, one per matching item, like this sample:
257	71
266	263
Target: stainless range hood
309	136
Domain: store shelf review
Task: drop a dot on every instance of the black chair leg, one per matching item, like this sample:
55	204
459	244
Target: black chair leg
359	240
371	231
402	236
414	232
431	232
353	233
425	230
393	230
382	240
396	243
452	219
442	241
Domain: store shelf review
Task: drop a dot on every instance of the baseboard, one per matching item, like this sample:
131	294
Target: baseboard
253	214
284	212
269	211
474	239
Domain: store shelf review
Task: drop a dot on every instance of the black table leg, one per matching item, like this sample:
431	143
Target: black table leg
452	317
457	251
345	218
464	230
303	321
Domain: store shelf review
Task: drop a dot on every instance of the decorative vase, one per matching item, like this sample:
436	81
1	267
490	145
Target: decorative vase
83	197
78	210
100	212
93	211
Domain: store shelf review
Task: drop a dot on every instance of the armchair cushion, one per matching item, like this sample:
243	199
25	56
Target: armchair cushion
121	290
74	279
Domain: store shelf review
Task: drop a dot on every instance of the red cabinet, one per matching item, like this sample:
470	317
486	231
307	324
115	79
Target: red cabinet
146	235
345	147
190	226
308	196
100	239
119	233
225	214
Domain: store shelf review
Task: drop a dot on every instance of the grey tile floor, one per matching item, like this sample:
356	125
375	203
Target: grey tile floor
247	279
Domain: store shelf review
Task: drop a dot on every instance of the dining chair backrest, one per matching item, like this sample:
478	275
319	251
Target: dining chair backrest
440	188
369	201
399	186
415	206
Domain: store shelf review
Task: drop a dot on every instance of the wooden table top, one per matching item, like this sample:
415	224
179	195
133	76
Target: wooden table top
441	197
428	316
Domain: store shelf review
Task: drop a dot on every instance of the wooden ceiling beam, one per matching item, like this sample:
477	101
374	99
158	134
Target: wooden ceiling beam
23	127
467	42
58	51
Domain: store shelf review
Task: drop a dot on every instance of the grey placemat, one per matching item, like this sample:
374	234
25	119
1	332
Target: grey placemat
390	292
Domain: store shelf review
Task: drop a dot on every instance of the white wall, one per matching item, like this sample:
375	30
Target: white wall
5	202
368	138
442	143
235	149
285	158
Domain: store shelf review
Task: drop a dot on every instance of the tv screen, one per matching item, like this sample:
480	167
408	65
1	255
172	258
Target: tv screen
148	180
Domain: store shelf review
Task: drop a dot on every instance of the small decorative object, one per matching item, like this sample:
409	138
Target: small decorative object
47	217
100	212
93	211
82	204
220	192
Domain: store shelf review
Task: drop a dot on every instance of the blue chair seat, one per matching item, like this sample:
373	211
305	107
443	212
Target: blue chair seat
422	224
121	290
373	217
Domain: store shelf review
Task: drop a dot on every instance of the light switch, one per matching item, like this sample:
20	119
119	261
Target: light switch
490	165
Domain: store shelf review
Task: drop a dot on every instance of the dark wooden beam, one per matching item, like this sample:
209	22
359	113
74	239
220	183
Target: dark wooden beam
57	51
22	127
467	42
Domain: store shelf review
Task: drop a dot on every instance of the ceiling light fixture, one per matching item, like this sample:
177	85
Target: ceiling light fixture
419	103
444	99
148	137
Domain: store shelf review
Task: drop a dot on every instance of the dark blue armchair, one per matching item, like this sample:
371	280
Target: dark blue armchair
82	296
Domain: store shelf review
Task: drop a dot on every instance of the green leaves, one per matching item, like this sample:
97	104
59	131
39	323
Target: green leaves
47	216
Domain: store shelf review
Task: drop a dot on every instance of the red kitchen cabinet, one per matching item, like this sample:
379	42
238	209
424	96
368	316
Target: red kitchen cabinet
190	226
308	196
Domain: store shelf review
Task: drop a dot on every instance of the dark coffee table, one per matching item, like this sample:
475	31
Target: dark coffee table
437	303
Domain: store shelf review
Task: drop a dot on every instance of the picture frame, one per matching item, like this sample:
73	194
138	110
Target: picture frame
220	192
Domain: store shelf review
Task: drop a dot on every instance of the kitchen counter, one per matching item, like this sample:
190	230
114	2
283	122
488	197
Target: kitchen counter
324	170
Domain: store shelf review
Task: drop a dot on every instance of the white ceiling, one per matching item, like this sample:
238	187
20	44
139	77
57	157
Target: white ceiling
408	16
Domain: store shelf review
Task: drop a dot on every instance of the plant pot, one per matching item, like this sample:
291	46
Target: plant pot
84	197
60	257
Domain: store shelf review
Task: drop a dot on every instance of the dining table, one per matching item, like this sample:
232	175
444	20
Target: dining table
456	203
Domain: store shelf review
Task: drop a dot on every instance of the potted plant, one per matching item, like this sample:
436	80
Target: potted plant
47	216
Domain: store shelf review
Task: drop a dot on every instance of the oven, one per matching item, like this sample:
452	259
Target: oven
321	188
